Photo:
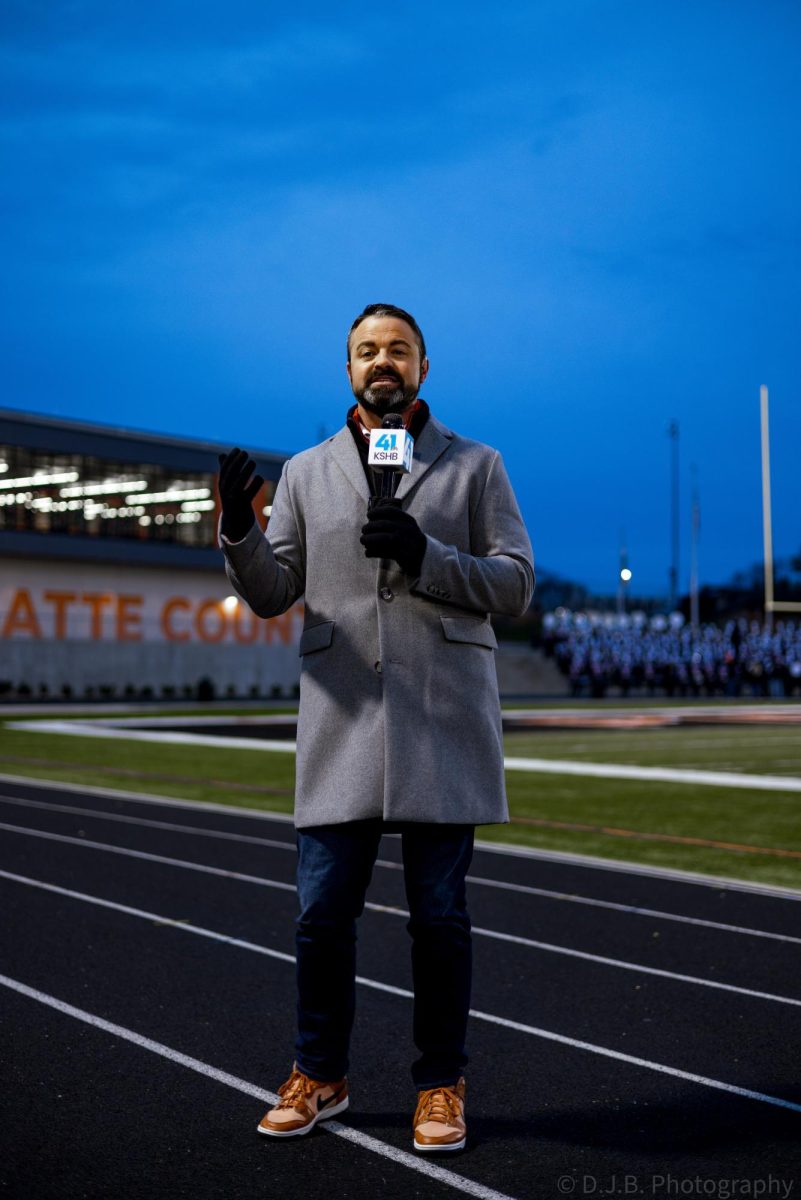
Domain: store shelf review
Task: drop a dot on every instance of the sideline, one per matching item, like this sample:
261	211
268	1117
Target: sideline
551	766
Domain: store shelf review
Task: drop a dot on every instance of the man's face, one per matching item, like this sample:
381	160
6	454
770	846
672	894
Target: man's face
384	369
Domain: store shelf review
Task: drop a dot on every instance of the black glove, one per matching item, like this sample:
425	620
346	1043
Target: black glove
236	494
392	533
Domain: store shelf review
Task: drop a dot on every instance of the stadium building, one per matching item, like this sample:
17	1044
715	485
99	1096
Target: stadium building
111	581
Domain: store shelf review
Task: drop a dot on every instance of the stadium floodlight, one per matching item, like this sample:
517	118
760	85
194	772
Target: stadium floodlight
625	574
108	487
190	506
40	478
172	494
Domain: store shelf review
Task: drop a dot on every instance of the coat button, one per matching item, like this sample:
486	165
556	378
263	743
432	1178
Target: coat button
387	593
378	667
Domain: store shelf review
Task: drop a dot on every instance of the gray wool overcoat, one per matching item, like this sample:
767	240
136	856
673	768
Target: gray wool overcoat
399	712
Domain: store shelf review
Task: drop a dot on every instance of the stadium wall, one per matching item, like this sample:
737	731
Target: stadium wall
119	632
112	584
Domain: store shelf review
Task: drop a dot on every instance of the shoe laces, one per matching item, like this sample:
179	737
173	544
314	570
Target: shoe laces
440	1104
298	1088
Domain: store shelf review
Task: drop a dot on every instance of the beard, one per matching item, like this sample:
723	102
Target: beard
383	400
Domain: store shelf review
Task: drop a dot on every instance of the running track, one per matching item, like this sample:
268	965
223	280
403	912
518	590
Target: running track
629	1029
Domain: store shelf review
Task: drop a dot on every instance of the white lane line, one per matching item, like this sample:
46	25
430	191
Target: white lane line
733	779
161	801
491	1018
144	914
623	866
173	826
525	889
406	1159
590	862
186	926
547	947
634	909
143	854
552	766
624	965
638	1062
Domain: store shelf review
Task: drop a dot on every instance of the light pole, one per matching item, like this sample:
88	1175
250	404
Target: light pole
673	434
767	533
624	575
696	526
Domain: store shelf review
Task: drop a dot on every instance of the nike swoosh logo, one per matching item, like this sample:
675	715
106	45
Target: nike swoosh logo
328	1100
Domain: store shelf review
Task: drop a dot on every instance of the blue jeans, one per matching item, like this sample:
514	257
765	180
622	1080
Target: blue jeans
335	864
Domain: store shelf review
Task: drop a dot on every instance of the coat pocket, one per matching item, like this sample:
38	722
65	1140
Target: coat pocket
316	637
474	630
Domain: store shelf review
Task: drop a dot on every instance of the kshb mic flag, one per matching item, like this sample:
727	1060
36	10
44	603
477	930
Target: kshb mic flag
391	448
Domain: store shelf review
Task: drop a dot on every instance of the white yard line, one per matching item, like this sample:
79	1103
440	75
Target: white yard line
524	889
517	1026
586	861
789	708
406	1159
278	885
87	729
551	766
733	779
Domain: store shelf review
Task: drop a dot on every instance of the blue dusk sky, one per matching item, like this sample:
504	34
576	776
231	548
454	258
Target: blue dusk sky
592	208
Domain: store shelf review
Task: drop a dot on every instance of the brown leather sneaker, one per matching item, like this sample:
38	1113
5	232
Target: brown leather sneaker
303	1103
439	1118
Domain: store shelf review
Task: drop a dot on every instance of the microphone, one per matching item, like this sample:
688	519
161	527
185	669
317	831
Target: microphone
391	450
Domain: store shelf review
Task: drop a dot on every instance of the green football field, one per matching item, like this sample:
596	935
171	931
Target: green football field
745	833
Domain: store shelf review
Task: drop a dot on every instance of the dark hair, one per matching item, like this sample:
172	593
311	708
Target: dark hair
390	310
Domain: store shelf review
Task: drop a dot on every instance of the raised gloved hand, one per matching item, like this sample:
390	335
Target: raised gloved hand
392	533
236	494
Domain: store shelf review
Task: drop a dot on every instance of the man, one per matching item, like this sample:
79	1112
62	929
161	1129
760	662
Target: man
399	723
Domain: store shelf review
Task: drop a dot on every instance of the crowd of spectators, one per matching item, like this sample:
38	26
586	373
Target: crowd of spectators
631	652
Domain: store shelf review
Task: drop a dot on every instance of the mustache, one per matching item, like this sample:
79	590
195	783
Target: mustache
384	375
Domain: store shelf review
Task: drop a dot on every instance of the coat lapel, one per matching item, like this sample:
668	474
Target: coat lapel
349	462
432	443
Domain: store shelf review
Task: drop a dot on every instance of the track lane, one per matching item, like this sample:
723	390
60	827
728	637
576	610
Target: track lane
630	1013
632	941
780	908
170	1112
203	1005
624	1111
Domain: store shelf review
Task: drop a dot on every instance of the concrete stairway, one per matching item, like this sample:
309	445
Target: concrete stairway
523	671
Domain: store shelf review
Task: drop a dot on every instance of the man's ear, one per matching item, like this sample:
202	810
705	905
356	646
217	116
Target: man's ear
347	368
423	369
